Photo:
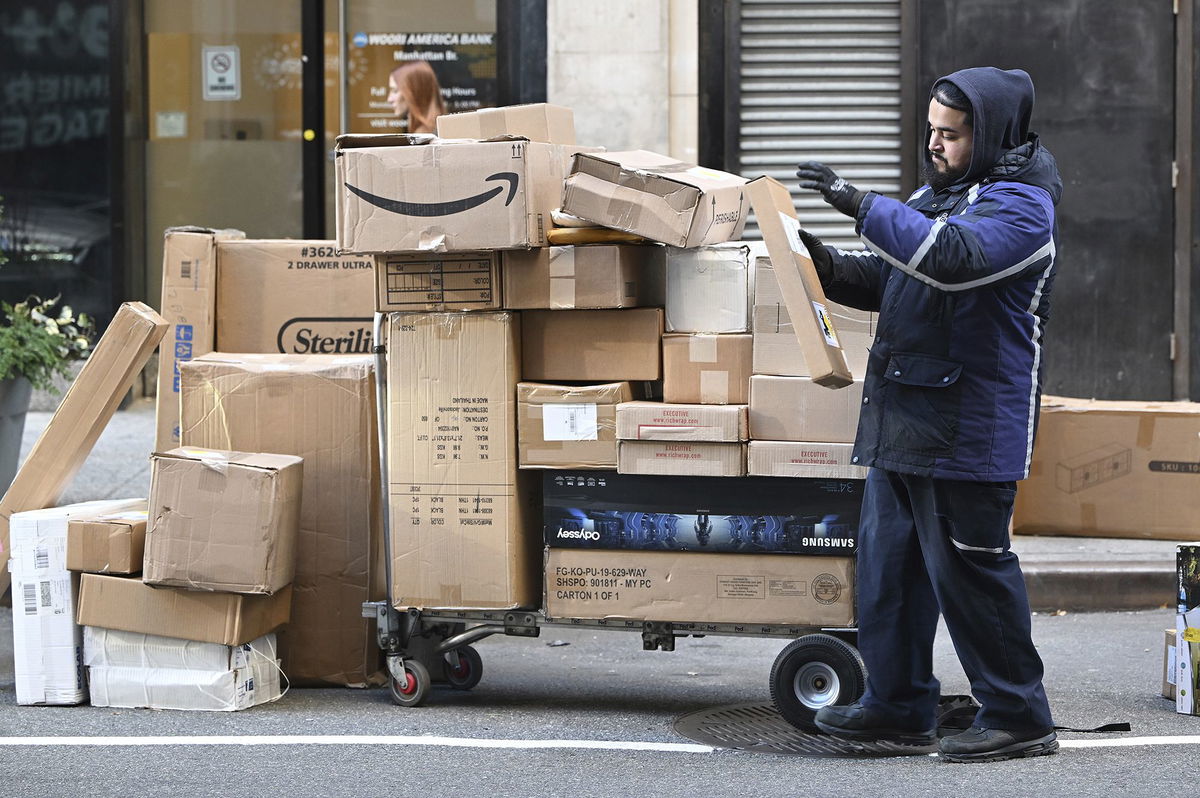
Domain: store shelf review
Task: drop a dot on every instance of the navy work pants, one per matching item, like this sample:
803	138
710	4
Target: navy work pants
934	545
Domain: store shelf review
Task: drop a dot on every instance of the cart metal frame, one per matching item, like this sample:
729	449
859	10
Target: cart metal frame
821	666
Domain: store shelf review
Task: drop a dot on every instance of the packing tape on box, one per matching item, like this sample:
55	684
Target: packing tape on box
562	277
702	349
625	214
1145	433
714	387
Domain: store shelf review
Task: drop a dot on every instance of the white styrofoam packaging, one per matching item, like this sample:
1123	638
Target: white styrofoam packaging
145	671
709	289
46	642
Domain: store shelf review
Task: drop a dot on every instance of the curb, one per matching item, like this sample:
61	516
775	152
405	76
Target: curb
1099	587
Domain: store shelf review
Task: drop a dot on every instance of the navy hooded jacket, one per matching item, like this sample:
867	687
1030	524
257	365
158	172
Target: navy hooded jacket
961	279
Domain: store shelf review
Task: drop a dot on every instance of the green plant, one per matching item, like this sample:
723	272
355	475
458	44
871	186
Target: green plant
37	345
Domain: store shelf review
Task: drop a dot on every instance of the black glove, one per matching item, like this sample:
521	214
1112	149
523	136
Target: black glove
820	256
836	191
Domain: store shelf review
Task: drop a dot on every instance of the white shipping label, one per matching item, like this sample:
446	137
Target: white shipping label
569	422
791	228
825	322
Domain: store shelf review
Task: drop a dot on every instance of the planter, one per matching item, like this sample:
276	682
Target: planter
15	394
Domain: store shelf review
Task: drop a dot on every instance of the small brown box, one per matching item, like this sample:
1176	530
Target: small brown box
108	544
591	345
570	277
707	369
568	426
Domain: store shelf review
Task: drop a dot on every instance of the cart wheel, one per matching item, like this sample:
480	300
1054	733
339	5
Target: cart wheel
413	691
813	672
463	667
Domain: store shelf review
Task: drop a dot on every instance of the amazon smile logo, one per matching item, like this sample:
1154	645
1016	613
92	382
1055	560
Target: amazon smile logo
450	208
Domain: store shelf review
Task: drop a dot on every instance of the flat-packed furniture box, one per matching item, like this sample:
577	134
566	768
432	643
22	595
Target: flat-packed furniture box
46	640
111	543
432	281
102	384
569	426
320	408
709	289
802	459
706	588
657	197
593	276
1113	469
1187	661
798	283
591	345
127	669
605	510
231	619
777	349
685	458
655	421
462	529
222	520
554	124
797	409
486	195
223	292
706	369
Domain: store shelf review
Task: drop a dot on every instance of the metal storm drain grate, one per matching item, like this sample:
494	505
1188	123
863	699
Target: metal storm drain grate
759	728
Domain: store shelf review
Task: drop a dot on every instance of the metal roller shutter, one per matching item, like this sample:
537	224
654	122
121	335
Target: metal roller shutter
821	81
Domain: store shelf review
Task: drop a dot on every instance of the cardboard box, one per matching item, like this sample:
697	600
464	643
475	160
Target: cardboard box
693	587
777	349
1187	662
46	641
683	458
223	293
1187	571
223	521
707	369
655	421
799	284
486	195
320	408
462	533
117	602
1113	469
408	281
591	345
565	426
59	453
709	289
604	510
298	297
1168	682
796	409
553	124
808	459
657	197
113	543
115	648
596	276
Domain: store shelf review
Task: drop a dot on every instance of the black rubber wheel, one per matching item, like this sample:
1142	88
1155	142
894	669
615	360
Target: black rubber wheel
415	688
815	671
463	667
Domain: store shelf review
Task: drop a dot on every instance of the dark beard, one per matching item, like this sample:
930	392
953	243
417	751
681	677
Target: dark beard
939	181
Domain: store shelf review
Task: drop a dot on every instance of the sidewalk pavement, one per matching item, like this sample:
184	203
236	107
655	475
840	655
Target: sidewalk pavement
1063	573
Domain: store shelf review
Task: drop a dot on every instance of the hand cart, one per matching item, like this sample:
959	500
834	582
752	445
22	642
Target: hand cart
821	666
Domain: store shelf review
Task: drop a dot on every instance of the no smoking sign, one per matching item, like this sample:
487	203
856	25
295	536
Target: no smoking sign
222	73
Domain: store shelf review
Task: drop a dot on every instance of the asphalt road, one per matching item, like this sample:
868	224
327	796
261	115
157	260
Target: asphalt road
602	689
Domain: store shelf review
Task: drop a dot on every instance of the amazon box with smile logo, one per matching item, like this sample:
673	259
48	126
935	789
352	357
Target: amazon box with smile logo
406	193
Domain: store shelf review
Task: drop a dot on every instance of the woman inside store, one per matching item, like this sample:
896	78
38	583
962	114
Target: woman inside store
414	92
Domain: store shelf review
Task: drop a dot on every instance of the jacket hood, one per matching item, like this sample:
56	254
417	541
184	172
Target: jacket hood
1001	104
1030	163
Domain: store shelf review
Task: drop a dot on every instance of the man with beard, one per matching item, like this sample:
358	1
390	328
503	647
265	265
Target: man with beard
960	276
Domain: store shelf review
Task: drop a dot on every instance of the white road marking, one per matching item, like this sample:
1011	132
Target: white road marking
1129	742
355	739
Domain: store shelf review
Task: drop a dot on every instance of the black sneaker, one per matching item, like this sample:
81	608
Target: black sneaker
855	722
978	744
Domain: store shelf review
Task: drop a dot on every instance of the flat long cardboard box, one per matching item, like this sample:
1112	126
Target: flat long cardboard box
796	409
1113	469
108	544
799	284
554	124
596	276
700	587
320	408
65	443
116	602
656	421
802	459
657	197
461	528
591	345
568	426
413	281
682	458
707	369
